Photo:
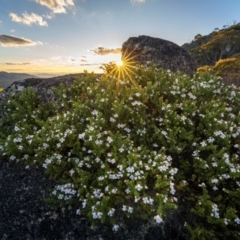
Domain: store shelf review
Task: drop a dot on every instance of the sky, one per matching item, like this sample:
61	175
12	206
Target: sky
59	37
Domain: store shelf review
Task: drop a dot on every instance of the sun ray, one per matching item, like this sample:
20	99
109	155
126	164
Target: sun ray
122	70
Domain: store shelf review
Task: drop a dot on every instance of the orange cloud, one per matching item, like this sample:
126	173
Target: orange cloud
106	51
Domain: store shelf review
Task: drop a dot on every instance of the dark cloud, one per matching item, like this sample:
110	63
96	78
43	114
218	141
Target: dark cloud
83	60
106	51
84	56
18	63
12	41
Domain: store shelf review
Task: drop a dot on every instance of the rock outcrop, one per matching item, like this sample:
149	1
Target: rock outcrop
145	50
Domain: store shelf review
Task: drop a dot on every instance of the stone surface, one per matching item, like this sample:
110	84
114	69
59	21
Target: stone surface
146	50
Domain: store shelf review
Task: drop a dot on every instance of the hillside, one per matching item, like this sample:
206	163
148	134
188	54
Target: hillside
218	52
6	79
219	44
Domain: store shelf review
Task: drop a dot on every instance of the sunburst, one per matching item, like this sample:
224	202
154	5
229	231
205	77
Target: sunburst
122	70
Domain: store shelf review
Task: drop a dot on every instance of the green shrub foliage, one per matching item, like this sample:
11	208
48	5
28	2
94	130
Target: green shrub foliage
123	150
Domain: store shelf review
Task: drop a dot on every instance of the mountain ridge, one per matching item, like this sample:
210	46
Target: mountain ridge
6	78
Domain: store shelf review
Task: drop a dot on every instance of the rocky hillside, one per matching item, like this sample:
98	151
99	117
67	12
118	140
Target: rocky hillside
6	79
219	44
218	53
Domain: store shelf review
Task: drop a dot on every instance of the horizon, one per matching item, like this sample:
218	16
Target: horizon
58	37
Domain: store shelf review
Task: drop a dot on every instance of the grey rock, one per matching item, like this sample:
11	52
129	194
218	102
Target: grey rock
145	50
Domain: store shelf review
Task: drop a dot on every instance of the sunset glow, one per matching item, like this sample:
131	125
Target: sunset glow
69	36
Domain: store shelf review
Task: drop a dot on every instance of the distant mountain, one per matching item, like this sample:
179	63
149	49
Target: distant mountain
6	79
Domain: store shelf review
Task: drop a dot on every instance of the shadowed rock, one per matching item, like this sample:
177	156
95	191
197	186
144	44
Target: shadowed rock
146	50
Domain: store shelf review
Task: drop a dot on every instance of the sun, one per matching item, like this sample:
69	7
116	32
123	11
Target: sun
119	63
123	70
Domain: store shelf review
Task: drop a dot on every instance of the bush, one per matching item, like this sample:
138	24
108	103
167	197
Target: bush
127	150
228	69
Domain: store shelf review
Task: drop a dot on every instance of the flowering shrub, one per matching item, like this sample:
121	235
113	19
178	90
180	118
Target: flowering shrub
136	150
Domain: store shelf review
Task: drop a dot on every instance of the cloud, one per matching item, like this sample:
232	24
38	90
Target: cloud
0	22
12	30
49	16
57	6
90	64
56	58
18	63
138	1
83	60
28	19
12	41
106	51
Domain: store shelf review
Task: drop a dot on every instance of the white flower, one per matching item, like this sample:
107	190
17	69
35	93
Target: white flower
114	190
124	208
111	212
237	220
115	228
109	139
164	133
158	219
84	203
130	209
210	140
139	187
20	147
121	150
81	136
78	211
215	180
97	215
120	125
94	112
127	191
112	119
16	129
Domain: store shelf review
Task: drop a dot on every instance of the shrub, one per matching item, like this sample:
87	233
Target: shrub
127	150
228	69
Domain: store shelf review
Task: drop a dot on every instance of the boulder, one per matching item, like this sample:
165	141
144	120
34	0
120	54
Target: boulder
145	50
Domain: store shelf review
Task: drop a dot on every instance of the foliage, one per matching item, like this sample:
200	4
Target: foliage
167	141
228	69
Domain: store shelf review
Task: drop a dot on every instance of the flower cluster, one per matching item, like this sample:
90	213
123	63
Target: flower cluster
137	149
